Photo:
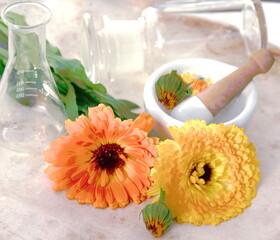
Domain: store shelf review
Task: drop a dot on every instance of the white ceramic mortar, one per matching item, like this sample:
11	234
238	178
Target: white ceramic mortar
239	111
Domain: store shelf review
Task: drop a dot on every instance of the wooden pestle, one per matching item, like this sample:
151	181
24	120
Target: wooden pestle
216	96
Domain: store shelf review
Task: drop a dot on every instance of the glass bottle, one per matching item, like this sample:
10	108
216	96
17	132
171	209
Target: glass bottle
31	112
170	30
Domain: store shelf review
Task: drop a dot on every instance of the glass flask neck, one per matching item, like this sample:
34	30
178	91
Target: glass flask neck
27	46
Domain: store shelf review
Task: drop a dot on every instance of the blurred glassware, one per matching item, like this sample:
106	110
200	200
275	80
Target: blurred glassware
115	49
31	112
171	30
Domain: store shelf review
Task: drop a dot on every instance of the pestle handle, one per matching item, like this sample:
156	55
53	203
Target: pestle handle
219	94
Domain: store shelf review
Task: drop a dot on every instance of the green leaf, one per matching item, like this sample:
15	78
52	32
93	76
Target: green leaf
4	30
52	49
129	104
60	82
121	107
2	67
3	38
71	105
3	55
16	18
72	70
76	91
85	97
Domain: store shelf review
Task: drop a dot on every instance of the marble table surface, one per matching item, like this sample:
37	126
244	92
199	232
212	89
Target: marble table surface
31	210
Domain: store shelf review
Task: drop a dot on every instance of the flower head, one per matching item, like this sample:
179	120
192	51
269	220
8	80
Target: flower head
157	217
188	78
103	161
198	85
209	173
170	89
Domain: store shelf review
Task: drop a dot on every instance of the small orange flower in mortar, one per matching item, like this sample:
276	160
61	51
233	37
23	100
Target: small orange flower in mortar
198	85
104	161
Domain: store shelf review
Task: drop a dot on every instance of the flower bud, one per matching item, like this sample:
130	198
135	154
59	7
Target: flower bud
157	217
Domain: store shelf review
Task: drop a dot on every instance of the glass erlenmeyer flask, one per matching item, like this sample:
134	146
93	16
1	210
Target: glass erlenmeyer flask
31	112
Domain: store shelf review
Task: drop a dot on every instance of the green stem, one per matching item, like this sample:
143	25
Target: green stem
161	196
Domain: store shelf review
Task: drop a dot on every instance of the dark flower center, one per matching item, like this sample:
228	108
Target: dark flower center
207	173
108	157
201	173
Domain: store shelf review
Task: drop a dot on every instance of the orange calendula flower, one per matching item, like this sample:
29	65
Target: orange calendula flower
198	85
209	173
103	161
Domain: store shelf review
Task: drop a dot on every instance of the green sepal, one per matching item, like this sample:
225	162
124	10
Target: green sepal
173	84
189	91
157	216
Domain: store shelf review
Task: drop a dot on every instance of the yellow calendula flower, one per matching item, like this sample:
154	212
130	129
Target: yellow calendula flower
188	78
209	173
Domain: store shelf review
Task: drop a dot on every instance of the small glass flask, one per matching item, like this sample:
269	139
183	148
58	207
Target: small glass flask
31	112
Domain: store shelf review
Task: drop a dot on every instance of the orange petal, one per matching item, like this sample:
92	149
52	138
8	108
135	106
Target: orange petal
104	178
62	184
71	193
83	180
118	191
119	174
155	140
58	174
134	173
86	195
109	196
80	123
81	198
79	173
100	201
134	178
136	152
102	112
50	169
199	85
93	176
144	122
131	188
50	155
66	152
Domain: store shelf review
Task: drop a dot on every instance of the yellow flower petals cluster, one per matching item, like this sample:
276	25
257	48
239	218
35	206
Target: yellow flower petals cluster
188	78
209	173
